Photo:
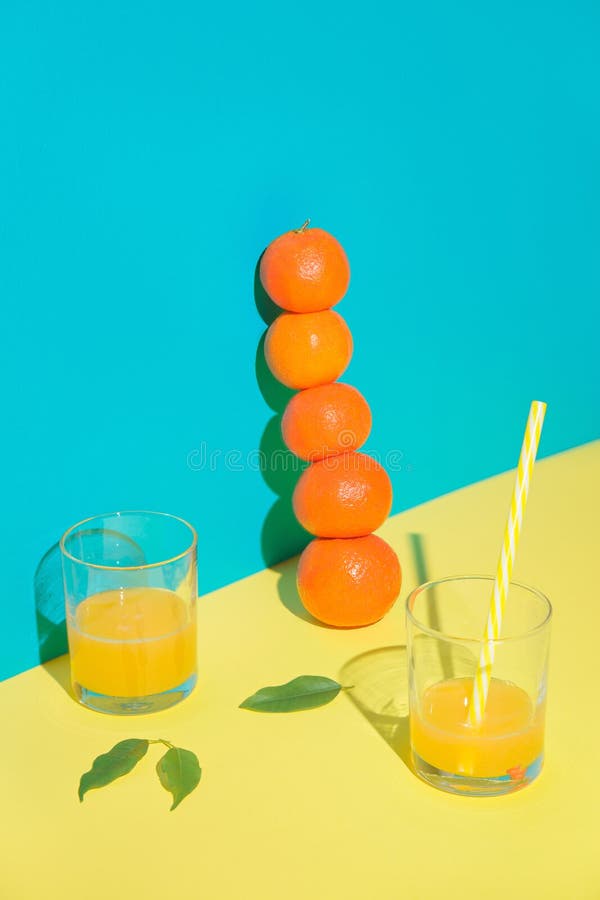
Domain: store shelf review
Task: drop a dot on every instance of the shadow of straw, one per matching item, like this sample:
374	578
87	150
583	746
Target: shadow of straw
378	687
417	546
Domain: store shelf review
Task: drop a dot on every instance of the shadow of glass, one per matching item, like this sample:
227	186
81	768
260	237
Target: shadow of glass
50	606
53	646
60	670
377	685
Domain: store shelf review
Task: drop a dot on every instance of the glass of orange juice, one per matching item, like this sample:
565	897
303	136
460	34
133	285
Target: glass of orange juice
504	752
130	591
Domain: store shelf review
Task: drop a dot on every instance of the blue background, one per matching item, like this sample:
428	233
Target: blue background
148	154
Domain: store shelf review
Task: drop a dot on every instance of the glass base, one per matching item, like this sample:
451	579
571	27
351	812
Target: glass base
134	706
469	786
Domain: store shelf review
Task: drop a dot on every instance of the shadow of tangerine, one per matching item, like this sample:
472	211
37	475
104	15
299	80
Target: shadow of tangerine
282	536
276	395
378	687
280	468
288	592
267	310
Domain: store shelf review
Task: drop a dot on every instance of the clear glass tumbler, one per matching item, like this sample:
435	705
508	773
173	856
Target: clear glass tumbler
130	590
445	624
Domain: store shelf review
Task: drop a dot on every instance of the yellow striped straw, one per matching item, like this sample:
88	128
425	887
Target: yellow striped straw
481	682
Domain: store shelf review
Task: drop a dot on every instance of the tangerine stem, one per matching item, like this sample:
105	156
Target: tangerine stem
303	227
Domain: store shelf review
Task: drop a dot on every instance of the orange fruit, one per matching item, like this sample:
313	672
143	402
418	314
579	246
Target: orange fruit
305	270
349	582
343	496
325	420
306	349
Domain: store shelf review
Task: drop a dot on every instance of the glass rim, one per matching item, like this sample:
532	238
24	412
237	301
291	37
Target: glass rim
128	512
442	635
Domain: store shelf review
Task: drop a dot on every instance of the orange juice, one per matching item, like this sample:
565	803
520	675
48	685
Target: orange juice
132	642
509	739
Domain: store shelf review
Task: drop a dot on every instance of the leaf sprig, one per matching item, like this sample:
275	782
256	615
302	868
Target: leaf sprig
178	770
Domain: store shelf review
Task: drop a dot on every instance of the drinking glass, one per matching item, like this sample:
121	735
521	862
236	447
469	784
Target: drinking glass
130	591
504	751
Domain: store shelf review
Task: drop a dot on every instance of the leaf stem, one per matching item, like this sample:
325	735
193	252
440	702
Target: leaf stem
303	227
161	741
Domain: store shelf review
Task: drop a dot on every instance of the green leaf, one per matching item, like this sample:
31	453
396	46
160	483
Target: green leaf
304	692
179	773
118	761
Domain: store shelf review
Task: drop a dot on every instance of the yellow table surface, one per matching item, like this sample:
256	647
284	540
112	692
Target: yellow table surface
322	804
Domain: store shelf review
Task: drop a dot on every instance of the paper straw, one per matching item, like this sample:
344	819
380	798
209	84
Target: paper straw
481	682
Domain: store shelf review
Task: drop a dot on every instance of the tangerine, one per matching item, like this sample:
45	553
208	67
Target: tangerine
344	496
305	270
349	582
326	420
303	350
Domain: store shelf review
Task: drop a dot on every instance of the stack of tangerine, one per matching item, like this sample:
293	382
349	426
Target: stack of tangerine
347	576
